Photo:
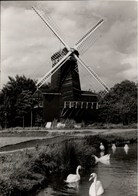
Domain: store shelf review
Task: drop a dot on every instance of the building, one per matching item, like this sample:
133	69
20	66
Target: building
65	99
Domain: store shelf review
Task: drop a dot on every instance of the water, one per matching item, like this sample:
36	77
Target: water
118	179
14	140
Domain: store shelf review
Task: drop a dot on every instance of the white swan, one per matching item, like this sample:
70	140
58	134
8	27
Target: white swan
102	146
102	153
104	159
96	187
126	148
113	147
74	177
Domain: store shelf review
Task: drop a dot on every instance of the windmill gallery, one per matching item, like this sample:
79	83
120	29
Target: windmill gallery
65	99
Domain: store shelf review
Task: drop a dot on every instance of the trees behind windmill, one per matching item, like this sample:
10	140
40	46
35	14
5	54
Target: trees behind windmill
16	103
120	104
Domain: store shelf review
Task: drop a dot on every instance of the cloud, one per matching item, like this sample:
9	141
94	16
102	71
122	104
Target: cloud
27	44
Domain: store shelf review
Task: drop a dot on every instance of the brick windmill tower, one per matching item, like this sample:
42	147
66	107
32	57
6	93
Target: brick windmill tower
65	99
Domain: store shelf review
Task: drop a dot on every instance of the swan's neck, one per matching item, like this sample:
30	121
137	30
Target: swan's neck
95	179
77	171
94	186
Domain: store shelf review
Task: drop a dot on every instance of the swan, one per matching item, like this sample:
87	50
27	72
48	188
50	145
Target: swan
102	146
74	177
96	187
126	148
104	159
113	147
102	153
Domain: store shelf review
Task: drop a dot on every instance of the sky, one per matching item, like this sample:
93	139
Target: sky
27	44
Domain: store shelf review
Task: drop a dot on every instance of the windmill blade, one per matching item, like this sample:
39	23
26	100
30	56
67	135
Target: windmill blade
89	42
89	38
41	15
89	83
45	13
93	74
53	70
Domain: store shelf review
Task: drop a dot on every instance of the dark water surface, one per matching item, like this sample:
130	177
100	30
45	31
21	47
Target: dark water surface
118	179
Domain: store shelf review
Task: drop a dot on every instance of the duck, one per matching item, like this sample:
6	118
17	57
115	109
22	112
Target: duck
71	178
102	146
96	188
104	159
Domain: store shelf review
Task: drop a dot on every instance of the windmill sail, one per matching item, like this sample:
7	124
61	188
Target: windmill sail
93	74
82	45
89	38
41	15
53	70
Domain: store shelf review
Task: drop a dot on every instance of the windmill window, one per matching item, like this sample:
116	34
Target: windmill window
92	105
89	105
64	104
70	104
86	105
81	104
67	104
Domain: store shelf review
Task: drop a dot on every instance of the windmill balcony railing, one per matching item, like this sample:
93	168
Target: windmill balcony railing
81	104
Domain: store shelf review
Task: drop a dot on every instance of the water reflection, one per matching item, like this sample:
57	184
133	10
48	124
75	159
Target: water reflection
126	150
119	178
74	186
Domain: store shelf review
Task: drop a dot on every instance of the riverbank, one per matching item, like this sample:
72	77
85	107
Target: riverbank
24	172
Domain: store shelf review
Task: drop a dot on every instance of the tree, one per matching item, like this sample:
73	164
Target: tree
120	104
15	100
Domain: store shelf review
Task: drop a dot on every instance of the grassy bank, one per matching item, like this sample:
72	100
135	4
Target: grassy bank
22	173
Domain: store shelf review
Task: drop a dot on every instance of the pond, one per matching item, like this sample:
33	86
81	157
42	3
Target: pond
119	178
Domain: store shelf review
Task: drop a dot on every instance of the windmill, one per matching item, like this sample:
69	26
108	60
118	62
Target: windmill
66	98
